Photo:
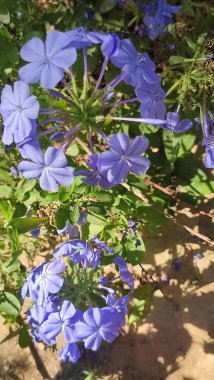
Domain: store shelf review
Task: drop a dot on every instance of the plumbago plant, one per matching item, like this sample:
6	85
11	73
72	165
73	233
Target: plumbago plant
81	127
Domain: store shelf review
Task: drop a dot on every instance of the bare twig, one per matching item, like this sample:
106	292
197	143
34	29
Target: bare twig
157	286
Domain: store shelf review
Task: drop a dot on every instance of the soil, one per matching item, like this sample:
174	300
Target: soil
175	340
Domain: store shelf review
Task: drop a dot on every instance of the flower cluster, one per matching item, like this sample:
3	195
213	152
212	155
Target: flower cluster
81	110
62	295
158	15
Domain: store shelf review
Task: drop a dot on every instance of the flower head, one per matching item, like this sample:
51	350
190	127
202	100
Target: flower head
61	321
174	124
152	101
81	37
47	60
137	66
79	252
70	353
124	272
19	109
124	156
43	281
94	177
97	325
51	168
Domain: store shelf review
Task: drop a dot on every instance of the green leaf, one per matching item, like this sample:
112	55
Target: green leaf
137	311
171	146
104	198
97	220
13	235
10	266
198	188
5	177
24	225
9	304
73	150
134	255
6	209
74	215
23	187
24	337
176	59
62	216
6	191
186	142
4	15
106	6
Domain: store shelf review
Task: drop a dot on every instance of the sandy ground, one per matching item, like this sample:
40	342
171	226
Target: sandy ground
175	341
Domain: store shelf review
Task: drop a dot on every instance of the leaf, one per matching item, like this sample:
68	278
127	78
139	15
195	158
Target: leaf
137	311
62	216
176	59
198	188
5	177
9	304
4	15
97	220
106	6
134	255
6	191
23	187
186	142
6	209
24	337
10	266
74	215
15	245
24	225
104	198
171	146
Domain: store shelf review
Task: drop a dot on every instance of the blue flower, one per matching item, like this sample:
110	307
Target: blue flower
176	265
97	325
132	225
18	110
95	177
111	45
51	168
81	37
123	157
29	140
157	23
70	353
14	172
137	66
43	281
36	317
102	245
208	140
61	321
79	252
72	230
124	272
174	124
152	101
119	307
47	60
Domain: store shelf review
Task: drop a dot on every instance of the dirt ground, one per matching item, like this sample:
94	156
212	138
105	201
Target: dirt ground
175	341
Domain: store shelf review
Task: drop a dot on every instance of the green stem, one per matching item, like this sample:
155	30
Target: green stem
176	84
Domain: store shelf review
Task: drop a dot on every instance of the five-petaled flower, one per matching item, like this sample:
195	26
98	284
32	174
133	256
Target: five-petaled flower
19	110
51	168
123	157
48	60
